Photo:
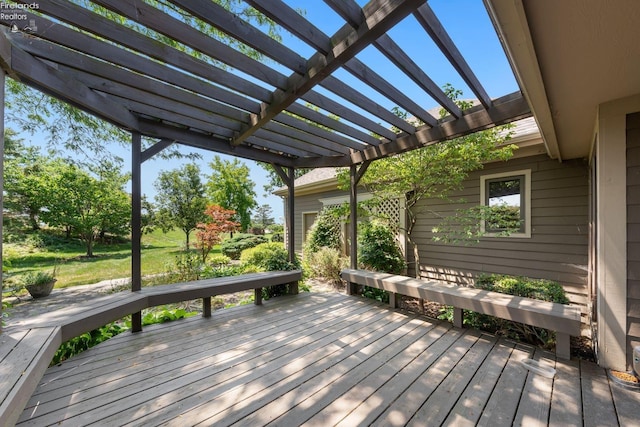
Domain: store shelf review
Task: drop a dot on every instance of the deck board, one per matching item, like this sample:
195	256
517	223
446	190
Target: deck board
318	360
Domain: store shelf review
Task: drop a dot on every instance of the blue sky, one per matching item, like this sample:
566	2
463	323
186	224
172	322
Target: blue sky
465	20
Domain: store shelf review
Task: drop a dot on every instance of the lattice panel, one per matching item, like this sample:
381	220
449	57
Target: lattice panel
390	209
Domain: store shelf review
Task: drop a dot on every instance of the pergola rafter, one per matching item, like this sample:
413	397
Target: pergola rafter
260	112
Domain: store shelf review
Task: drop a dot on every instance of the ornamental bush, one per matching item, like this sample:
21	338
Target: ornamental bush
378	250
325	263
269	257
234	246
541	289
324	233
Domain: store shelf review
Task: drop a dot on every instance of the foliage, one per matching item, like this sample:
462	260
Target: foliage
541	289
325	232
378	249
230	187
85	341
432	171
325	263
85	205
270	256
219	260
181	200
375	294
263	217
234	246
209	233
38	278
186	267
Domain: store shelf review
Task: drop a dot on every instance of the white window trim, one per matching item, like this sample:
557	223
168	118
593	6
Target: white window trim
527	202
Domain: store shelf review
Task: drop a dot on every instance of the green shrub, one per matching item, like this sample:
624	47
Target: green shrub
541	289
325	232
325	263
233	247
269	257
186	267
219	260
378	249
545	290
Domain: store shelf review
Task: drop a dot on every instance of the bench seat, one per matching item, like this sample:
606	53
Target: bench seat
29	346
561	318
24	357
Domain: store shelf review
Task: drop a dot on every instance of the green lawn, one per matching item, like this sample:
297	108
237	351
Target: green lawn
111	261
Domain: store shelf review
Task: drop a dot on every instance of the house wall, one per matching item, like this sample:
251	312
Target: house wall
633	232
611	230
558	246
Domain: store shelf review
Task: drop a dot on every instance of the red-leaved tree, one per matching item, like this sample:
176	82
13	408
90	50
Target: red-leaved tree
209	234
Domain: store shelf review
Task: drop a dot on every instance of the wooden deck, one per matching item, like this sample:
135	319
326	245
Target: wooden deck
321	359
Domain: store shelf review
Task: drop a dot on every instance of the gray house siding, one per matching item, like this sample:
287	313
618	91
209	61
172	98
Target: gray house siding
558	246
633	233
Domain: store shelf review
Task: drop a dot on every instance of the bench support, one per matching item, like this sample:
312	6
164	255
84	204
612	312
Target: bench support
457	317
206	307
394	300
563	345
257	296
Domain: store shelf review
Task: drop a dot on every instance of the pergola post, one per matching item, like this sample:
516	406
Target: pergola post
136	221
288	177
2	81
355	175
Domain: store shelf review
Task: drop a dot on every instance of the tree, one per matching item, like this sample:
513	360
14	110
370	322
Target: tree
230	187
209	233
432	171
263	216
85	205
181	200
25	175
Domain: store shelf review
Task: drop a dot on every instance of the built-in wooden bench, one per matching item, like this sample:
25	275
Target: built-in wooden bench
561	318
28	347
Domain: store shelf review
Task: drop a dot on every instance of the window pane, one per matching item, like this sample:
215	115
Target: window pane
504	197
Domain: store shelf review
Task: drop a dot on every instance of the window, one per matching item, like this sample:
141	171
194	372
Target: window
508	195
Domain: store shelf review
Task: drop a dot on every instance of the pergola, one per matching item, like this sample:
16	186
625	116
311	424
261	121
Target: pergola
246	108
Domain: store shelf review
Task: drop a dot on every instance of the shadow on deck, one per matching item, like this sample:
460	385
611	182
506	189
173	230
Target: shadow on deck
321	359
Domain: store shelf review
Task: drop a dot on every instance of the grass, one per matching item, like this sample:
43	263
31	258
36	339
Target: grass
112	261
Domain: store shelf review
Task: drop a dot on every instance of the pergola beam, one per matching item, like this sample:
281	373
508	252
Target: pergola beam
382	16
351	12
504	110
433	26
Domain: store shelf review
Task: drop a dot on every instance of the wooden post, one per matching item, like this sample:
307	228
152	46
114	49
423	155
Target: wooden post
355	175
136	221
257	296
353	224
291	225
206	307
